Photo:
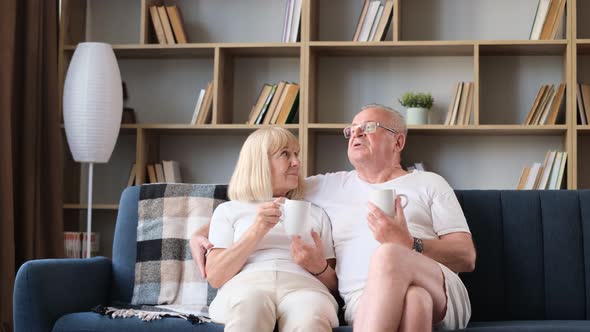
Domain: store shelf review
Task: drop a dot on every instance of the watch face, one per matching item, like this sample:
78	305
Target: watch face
418	245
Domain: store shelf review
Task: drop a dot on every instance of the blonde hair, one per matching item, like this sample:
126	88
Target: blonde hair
398	121
251	180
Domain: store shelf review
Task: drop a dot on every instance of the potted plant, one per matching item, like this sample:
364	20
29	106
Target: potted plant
417	106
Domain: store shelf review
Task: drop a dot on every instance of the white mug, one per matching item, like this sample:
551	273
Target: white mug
295	218
385	200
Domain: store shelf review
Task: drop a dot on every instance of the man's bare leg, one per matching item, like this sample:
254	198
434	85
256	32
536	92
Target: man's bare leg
393	270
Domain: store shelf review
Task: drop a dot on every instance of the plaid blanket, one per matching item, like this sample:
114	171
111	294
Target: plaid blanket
165	275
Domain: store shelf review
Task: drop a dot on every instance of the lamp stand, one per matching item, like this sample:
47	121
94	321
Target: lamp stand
89	213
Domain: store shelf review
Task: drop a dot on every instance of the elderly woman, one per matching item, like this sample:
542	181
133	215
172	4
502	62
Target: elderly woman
265	276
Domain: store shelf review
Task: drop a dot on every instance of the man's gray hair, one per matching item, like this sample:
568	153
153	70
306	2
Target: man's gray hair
398	121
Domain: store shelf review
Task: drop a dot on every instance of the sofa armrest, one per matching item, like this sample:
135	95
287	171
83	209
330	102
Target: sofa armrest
46	289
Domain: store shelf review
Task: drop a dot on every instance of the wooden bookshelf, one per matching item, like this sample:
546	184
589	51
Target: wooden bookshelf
336	77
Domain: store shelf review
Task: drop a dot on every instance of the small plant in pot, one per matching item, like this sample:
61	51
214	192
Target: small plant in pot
417	106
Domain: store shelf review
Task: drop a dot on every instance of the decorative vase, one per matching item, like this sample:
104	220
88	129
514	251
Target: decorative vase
416	116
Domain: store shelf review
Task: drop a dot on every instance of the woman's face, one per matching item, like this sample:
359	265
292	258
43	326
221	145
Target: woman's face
284	170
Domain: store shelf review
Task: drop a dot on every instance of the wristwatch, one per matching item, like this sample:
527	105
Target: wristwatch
418	245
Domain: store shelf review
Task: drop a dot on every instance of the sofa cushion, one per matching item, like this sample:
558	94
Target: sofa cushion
89	321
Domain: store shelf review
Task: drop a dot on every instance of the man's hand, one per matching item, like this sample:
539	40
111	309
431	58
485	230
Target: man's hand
309	257
199	246
388	229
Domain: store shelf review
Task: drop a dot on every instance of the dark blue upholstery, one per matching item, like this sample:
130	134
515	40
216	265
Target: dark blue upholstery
532	270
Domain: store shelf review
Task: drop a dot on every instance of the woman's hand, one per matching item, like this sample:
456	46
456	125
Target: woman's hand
267	215
308	256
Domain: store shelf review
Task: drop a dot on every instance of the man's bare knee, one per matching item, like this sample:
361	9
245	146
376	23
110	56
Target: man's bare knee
390	258
419	298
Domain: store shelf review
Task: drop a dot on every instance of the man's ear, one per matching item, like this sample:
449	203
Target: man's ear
400	142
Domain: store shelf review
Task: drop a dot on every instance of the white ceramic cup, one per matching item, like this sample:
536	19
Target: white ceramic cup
385	200
295	217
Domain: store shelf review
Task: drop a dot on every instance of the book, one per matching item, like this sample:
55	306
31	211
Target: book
555	113
557	29
266	89
160	173
289	104
586	98
534	173
452	105
560	176
295	21
384	21
166	25
544	114
555	171
581	107
368	22
539	20
171	171
375	23
536	103
461	115
151	173
94	243
132	173
73	244
206	106
469	110
547	167
361	21
198	106
266	104
275	101
455	112
157	25
286	27
176	22
523	178
550	20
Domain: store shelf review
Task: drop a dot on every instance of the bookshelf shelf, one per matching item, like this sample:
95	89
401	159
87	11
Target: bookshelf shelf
219	129
72	206
525	47
392	48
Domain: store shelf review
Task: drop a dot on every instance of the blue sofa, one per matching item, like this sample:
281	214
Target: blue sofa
532	271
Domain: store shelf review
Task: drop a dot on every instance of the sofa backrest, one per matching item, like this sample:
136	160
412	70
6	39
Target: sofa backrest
533	253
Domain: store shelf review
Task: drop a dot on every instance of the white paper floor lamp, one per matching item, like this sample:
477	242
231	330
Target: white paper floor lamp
92	107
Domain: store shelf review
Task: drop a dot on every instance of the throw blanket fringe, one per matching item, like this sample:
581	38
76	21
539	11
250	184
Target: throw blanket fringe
147	314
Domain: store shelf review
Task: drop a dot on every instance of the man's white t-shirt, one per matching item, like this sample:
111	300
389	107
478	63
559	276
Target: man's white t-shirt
432	211
231	219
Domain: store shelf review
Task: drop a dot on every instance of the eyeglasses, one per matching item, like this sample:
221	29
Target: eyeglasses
366	128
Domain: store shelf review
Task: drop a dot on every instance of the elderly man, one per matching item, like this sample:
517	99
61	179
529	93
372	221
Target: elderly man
395	273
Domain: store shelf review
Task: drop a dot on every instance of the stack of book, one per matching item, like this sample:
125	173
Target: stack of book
204	106
292	21
548	175
583	96
168	171
461	106
374	21
549	20
546	109
276	104
167	23
75	244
